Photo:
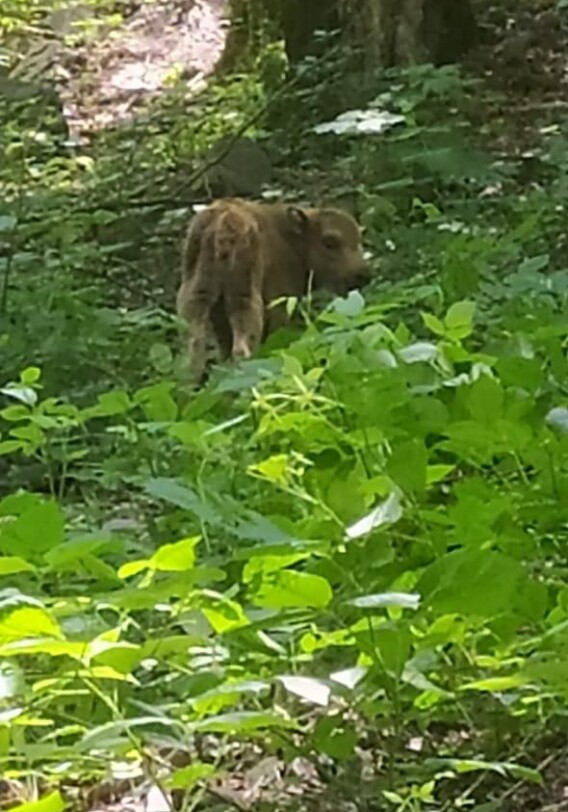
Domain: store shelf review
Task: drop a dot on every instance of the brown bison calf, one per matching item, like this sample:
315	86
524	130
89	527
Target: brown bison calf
239	256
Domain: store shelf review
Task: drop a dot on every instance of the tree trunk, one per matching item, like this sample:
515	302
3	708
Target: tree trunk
390	32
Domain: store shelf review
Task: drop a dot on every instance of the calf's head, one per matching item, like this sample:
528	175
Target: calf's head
334	249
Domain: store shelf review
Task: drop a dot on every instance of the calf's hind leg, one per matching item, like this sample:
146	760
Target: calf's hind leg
246	317
194	306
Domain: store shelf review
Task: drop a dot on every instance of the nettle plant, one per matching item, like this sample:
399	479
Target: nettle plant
371	527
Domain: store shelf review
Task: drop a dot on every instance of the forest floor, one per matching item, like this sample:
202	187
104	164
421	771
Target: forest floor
107	68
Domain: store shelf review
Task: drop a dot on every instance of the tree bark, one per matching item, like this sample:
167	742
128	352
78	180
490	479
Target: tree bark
389	32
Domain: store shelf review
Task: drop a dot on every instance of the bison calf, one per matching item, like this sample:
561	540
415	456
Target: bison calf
239	256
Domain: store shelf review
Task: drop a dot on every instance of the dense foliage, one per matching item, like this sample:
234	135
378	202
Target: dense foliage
350	548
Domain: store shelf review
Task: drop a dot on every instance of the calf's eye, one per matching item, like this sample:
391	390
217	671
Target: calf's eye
331	241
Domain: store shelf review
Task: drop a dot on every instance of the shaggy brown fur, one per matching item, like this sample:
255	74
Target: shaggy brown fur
239	256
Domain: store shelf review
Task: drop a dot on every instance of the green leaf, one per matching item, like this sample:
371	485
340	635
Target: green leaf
388	512
157	402
30	376
176	494
187	777
289	589
471	582
161	357
10	446
12	564
380	601
434	324
35	531
464	765
109	404
177	557
496	684
352	305
265	564
49	803
407	466
334	738
485	400
226	616
534	264
459	320
307	688
115	733
242	722
7	222
28	622
274	469
389	646
557	418
53	648
419	352
24	394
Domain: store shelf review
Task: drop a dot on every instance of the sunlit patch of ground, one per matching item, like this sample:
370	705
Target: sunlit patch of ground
108	79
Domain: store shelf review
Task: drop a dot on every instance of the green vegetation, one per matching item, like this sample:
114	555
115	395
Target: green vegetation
350	548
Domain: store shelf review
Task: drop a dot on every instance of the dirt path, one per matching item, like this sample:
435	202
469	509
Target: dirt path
103	83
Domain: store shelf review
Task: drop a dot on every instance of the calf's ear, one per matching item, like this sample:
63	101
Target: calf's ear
298	218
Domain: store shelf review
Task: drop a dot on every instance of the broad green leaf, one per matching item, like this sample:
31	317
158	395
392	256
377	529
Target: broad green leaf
226	616
352	305
485	400
387	645
534	264
227	694
558	419
161	357
113	733
242	722
436	473
264	564
30	376
121	656
349	677
274	469
501	767
35	531
307	688
187	777
53	648
24	394
177	557
133	568
288	589
384	599
471	582
106	672
388	512
157	403
28	622
12	564
9	446
109	404
49	803
407	466
7	222
173	492
433	324
459	320
496	684
419	352
334	737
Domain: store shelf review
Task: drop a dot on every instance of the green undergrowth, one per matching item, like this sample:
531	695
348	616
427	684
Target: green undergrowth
353	543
